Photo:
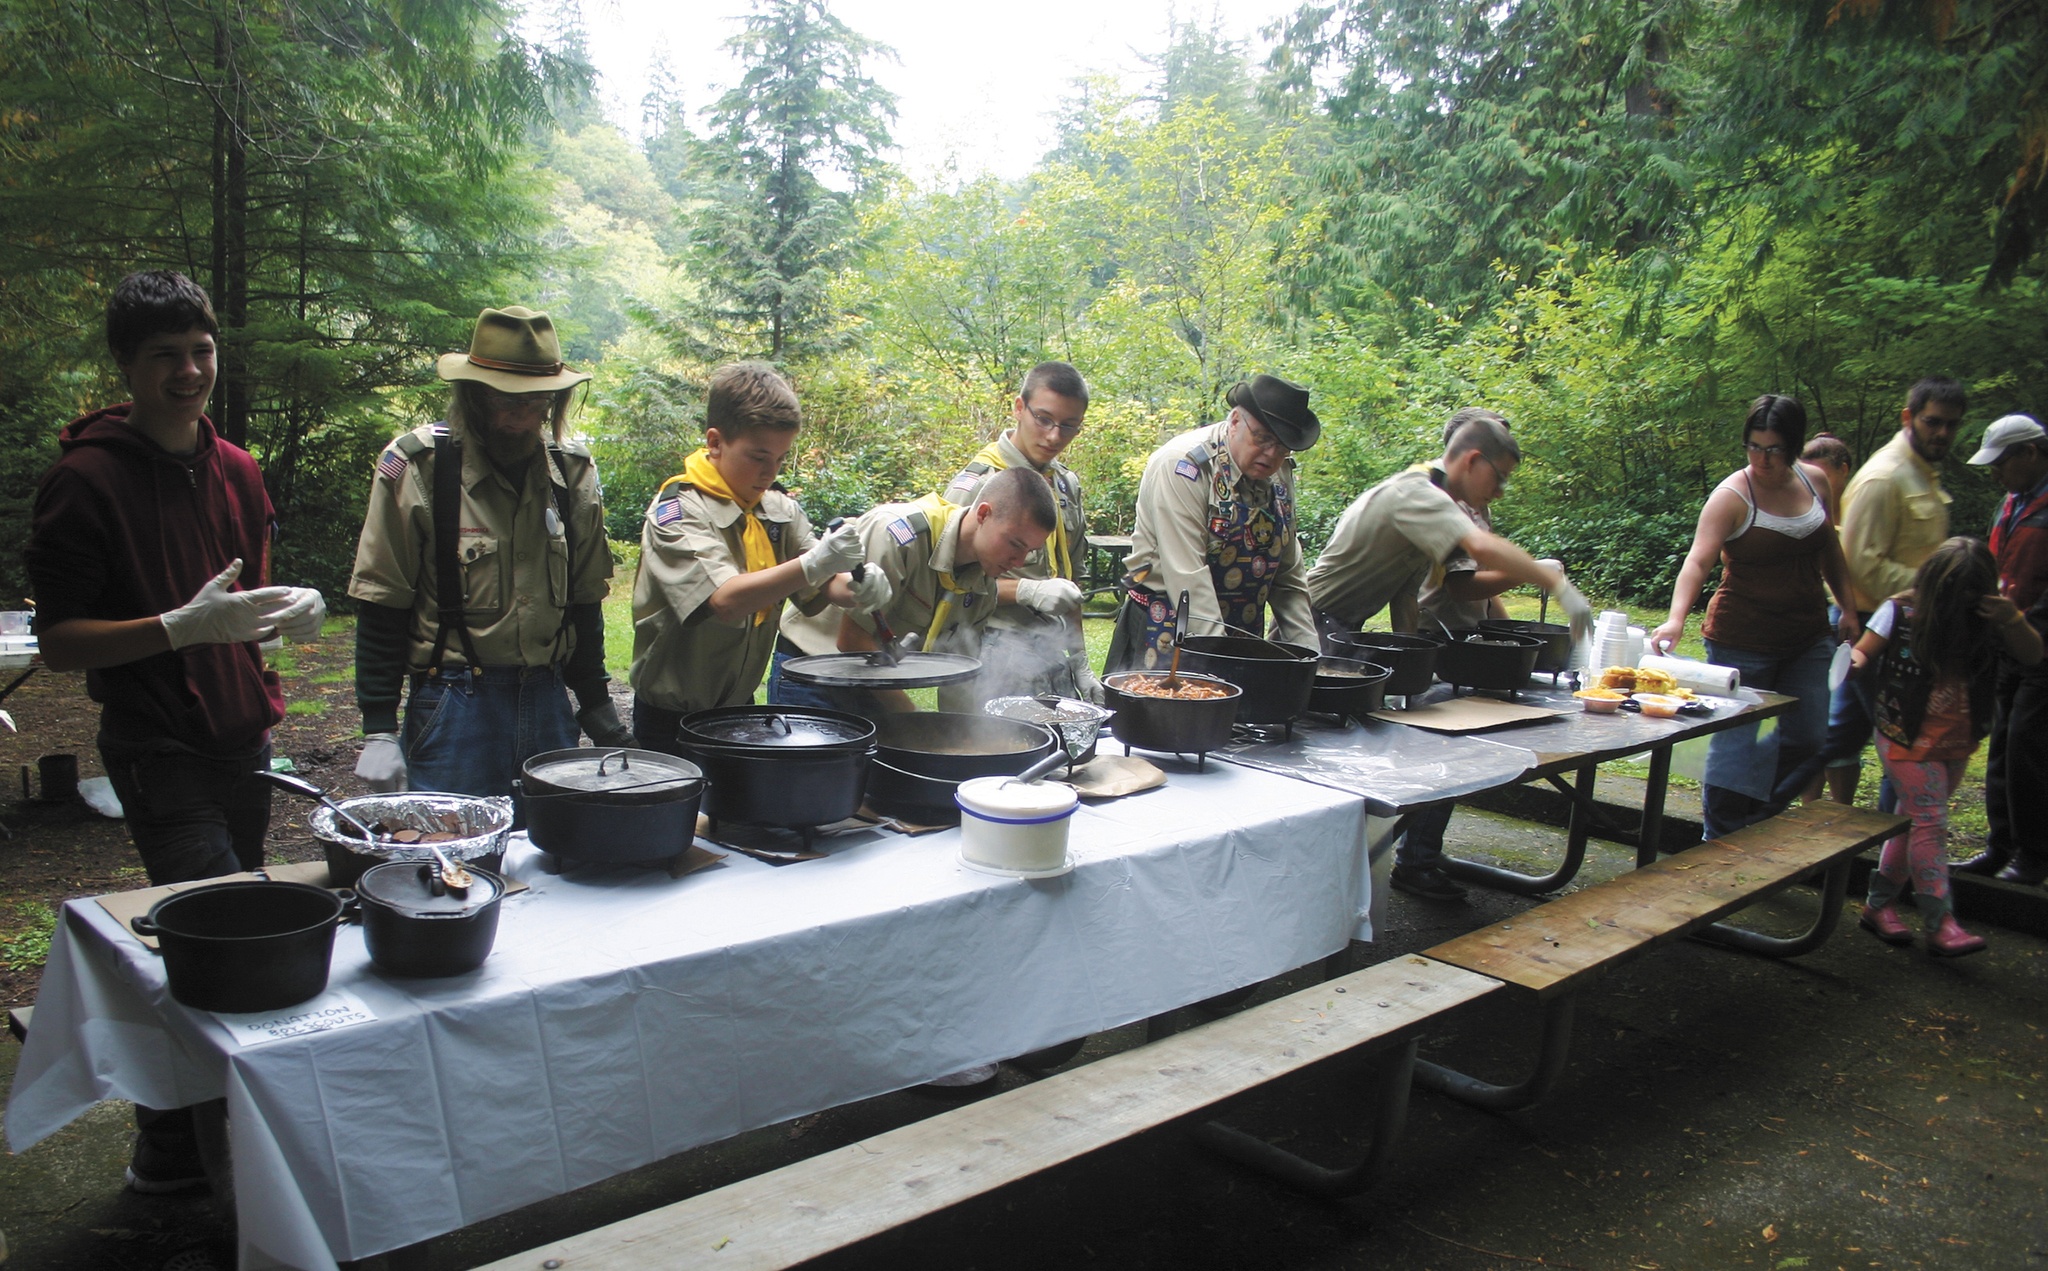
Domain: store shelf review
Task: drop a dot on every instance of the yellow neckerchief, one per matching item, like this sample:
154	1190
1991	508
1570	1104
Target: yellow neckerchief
1057	547
699	471
939	514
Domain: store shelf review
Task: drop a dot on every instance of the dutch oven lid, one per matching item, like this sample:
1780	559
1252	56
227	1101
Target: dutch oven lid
589	770
853	670
407	887
768	726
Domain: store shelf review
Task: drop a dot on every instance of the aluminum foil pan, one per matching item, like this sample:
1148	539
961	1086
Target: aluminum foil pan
483	823
1078	722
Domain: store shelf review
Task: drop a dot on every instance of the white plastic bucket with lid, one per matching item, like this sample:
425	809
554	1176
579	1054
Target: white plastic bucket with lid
1015	828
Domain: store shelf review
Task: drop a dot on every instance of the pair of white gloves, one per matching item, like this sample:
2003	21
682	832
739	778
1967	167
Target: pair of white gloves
840	552
1577	609
218	615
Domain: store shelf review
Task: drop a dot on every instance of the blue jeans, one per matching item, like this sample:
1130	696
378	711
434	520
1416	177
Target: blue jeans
1801	731
1422	842
469	734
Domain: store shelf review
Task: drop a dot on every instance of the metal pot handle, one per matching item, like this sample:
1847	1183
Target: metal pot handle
625	764
141	925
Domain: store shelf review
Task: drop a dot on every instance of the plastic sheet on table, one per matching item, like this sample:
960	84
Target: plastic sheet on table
1391	766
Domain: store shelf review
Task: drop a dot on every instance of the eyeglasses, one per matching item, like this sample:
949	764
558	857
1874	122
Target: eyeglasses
1768	452
1050	424
1498	475
1258	438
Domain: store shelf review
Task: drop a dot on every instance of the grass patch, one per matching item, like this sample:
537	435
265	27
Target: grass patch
306	706
27	944
342	675
282	660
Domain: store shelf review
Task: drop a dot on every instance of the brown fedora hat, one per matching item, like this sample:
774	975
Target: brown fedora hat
513	350
1282	406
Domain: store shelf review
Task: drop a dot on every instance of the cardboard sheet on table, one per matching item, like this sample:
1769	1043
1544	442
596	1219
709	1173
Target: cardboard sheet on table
1114	776
1468	715
123	905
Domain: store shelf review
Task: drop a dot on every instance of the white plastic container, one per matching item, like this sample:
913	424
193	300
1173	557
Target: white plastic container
1013	828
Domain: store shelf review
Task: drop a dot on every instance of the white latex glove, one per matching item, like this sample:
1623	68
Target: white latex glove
872	591
1084	680
382	763
300	621
220	616
1577	609
1048	595
836	553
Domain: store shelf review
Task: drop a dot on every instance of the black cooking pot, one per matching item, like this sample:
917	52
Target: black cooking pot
1276	678
1346	686
244	946
613	806
1173	725
414	926
1557	641
1411	658
1488	659
792	766
923	756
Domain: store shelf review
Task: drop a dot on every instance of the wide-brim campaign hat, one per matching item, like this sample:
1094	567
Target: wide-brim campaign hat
513	350
1282	406
2007	430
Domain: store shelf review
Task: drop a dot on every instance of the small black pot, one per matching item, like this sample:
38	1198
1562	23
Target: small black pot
790	766
923	756
1346	686
1557	641
1493	660
410	930
1174	726
244	946
611	806
1411	658
1276	678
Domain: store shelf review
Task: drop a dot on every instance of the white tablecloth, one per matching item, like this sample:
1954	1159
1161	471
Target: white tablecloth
625	1016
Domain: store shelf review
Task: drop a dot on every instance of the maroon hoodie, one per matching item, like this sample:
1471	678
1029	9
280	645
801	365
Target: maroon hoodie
125	529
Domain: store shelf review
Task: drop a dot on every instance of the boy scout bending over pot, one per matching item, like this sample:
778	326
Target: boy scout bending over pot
722	547
481	569
942	562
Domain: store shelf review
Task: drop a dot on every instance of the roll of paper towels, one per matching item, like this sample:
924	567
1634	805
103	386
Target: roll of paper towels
1700	677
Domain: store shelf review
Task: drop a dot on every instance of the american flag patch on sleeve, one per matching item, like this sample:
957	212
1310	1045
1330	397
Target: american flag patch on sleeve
1186	469
668	511
899	529
391	464
963	485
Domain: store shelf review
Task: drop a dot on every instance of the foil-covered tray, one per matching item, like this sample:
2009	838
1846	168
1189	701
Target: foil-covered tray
482	823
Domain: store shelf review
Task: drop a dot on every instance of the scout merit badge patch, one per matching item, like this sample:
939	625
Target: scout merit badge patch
899	529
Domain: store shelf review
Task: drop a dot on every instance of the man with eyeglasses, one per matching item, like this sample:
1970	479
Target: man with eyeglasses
1216	519
1033	643
1894	514
2016	764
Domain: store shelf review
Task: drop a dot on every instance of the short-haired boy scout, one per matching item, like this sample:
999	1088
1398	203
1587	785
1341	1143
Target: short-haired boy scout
942	561
723	545
1033	641
481	569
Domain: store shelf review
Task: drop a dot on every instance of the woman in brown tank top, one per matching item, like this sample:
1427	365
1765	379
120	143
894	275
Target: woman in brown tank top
1768	523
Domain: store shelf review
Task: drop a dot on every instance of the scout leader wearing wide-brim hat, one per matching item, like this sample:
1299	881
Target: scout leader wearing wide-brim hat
513	350
1216	519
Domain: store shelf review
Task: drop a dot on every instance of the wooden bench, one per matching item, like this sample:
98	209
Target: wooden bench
1557	948
807	1209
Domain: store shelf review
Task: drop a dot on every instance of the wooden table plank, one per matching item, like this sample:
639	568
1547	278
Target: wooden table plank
1559	945
809	1208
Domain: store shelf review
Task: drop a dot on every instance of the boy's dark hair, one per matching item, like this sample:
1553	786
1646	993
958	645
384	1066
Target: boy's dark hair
1057	378
155	302
1486	432
1020	494
746	396
1936	388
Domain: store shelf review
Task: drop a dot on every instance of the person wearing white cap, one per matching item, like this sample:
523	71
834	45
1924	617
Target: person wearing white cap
2016	763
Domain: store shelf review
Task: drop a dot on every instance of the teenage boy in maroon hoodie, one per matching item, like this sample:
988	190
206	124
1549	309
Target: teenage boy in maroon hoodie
143	534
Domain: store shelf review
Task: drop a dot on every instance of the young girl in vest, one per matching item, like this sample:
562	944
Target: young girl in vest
1933	650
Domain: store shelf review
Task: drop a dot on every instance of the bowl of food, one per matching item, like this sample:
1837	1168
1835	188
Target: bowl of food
1659	705
1600	701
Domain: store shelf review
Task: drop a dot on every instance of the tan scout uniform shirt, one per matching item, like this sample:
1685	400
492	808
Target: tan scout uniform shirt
1436	599
913	560
965	489
1385	544
1894	515
1170	538
514	551
684	657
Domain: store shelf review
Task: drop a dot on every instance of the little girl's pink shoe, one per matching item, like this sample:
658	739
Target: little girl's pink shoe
1949	940
1883	921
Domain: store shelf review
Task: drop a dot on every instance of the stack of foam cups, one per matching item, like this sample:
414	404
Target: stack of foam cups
1610	641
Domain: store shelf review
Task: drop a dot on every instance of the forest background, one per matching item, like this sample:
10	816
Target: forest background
1615	221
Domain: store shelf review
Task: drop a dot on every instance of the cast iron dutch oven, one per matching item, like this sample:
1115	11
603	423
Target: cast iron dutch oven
414	925
1172	725
1276	678
1557	641
791	766
923	756
1411	658
1346	686
612	806
244	946
1488	659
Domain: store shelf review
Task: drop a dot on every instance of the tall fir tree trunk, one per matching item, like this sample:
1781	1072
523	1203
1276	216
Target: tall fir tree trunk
230	242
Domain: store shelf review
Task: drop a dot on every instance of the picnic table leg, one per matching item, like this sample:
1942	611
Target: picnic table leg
1651	838
1555	1045
1834	888
1390	1114
1578	829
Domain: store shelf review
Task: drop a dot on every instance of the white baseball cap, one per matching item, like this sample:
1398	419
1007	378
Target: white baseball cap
2007	430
